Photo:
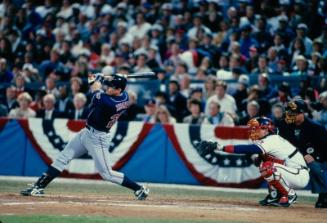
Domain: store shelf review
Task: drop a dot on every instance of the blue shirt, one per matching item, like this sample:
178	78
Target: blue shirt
105	110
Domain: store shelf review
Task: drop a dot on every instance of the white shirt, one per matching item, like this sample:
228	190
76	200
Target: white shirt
280	148
227	104
48	114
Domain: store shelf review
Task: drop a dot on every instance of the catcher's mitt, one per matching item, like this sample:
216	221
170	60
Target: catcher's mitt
206	147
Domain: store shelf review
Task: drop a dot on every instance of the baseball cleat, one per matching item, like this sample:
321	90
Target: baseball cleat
269	200
286	201
33	191
142	193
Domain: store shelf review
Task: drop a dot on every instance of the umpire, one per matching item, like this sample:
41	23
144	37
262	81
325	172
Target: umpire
311	140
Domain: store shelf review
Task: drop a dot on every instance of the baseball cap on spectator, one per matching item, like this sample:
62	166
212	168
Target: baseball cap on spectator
106	10
246	27
140	52
167	6
302	26
147	5
121	5
29	67
283	18
196	90
150	102
154	47
157	27
284	87
122	24
244	79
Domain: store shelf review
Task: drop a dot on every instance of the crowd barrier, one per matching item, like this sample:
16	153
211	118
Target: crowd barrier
146	152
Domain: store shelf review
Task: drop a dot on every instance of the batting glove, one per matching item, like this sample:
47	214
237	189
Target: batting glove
95	77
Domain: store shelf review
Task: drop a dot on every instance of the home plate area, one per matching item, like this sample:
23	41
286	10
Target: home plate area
157	206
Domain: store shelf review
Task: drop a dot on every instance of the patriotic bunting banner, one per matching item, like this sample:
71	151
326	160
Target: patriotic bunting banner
130	143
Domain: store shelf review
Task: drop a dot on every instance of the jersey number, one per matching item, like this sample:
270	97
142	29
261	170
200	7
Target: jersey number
112	120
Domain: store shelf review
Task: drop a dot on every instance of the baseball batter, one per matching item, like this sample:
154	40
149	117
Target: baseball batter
105	109
281	165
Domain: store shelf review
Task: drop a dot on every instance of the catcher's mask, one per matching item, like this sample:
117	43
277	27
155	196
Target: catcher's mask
116	81
258	123
293	109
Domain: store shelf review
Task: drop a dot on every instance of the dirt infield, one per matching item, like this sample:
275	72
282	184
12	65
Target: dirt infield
157	206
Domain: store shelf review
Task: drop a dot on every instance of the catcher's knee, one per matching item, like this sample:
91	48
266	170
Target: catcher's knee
267	169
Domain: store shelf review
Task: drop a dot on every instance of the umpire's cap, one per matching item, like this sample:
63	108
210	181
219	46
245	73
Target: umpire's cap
297	106
116	81
294	108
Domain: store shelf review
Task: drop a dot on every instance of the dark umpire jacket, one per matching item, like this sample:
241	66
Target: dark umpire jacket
310	138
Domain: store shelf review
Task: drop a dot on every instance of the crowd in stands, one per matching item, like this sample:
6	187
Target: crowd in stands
48	48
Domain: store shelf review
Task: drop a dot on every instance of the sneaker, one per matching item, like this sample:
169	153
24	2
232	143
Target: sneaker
142	193
270	199
33	191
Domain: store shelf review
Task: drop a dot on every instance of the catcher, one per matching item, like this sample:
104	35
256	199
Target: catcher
280	163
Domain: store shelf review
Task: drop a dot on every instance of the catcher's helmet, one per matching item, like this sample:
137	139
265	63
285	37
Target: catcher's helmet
116	81
255	124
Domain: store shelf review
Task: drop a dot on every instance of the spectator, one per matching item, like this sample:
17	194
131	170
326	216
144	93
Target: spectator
163	116
209	87
241	91
23	111
75	85
217	117
10	100
80	110
298	48
20	86
30	74
196	116
150	111
49	66
49	112
262	66
5	75
226	102
301	32
177	100
277	113
141	65
50	87
301	66
141	27
64	104
252	111
284	94
266	88
319	110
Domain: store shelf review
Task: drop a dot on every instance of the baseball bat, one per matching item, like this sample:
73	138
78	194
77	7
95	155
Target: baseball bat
148	74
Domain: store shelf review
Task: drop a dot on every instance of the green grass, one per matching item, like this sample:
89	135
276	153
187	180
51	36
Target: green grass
93	219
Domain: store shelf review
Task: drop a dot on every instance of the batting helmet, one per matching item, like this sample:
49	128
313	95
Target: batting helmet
116	81
258	123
